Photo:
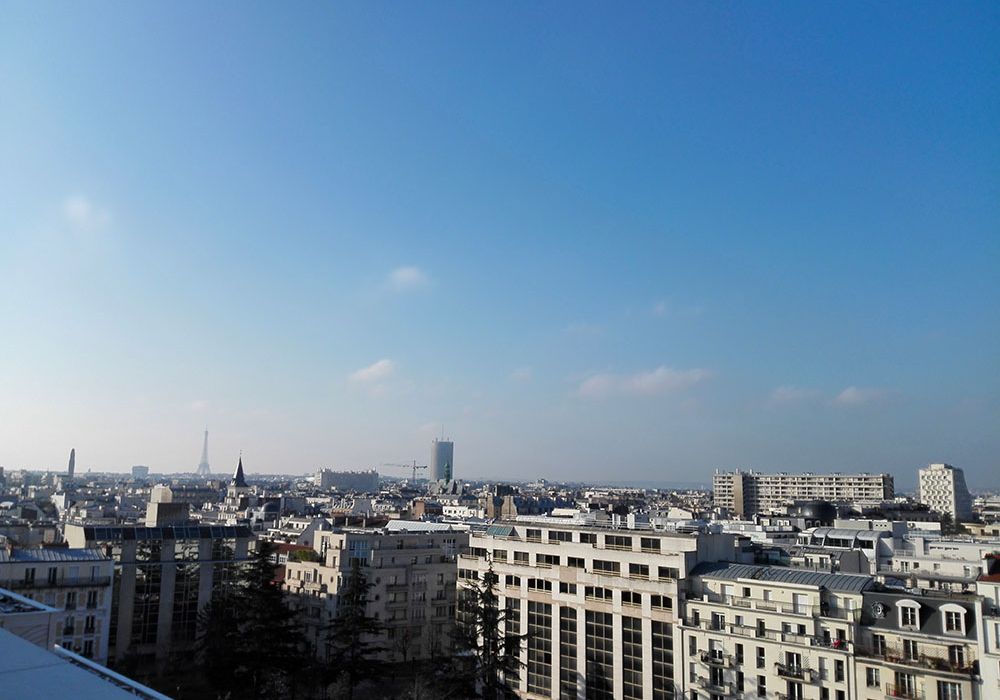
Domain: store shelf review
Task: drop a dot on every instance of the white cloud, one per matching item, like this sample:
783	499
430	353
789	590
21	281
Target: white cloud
374	372
407	277
662	380
84	215
858	396
199	406
522	374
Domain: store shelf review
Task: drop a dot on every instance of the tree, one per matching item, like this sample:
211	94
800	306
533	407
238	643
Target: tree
351	639
483	629
248	644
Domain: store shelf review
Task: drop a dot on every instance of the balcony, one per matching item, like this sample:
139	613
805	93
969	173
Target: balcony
796	673
902	691
708	685
716	659
939	661
65	582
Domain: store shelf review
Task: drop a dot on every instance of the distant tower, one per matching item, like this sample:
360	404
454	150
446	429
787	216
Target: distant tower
442	460
72	462
203	468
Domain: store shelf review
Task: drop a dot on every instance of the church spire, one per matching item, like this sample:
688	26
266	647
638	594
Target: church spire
238	478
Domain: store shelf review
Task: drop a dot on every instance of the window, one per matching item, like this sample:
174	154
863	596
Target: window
878	644
71	600
69	625
667	572
632	657
533	535
597	592
467	574
650	544
739	654
53	573
909	614
521	557
948	690
762	686
88	648
910	650
499	555
638	571
631	598
588	538
547	559
602	566
838	671
761	659
539	647
663	661
539	584
89	624
575	562
956	655
512	581
600	655
560	536
91	599
567	654
661	602
623	542
872	678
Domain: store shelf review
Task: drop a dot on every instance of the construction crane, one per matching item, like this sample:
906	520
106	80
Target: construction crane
414	467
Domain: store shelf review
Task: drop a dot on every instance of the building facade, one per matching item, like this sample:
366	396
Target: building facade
599	608
163	577
744	494
942	487
442	460
411	566
76	583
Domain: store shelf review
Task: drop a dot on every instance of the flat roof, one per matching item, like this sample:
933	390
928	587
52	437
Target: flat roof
28	671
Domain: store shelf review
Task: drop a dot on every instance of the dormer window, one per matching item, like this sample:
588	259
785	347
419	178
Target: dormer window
954	619
909	614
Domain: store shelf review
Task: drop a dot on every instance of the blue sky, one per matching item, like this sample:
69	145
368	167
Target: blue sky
589	242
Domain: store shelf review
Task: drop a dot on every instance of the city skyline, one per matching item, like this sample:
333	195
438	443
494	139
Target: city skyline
649	242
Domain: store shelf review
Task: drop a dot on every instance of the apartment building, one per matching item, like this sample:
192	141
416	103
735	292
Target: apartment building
768	632
412	568
163	577
943	488
744	494
76	583
599	607
989	638
919	645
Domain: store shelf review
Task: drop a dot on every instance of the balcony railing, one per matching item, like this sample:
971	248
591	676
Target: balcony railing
64	582
722	688
785	608
902	691
798	673
940	661
715	659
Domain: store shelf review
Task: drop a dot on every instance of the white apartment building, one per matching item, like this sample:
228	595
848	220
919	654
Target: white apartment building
411	565
989	642
599	606
771	632
942	488
76	583
746	493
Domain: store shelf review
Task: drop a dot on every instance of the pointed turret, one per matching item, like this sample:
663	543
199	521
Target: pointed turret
238	479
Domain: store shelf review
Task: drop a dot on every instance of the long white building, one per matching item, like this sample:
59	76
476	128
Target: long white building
745	493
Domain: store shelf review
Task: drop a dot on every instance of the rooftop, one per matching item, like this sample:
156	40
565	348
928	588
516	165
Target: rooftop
844	583
51	555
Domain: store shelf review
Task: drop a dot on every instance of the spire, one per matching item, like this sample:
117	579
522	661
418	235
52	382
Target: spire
238	478
203	468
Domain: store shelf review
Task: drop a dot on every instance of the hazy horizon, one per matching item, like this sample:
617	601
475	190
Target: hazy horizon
638	242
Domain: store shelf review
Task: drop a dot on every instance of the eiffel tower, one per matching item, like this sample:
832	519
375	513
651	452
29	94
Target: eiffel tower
203	468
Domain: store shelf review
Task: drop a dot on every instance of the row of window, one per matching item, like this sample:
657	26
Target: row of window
620	542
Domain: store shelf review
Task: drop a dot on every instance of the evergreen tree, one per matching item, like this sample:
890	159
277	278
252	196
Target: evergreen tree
492	648
248	644
351	640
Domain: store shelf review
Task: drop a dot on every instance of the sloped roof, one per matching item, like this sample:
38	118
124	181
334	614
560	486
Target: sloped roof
53	555
846	583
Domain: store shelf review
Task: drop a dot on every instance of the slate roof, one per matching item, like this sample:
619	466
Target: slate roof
845	583
42	555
